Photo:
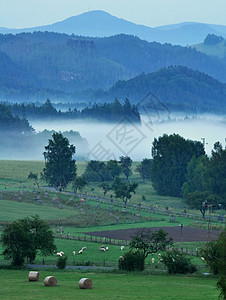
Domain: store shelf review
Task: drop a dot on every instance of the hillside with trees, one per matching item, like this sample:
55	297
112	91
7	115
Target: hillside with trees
40	65
179	88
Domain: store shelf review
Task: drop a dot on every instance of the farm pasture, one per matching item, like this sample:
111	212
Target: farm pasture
15	285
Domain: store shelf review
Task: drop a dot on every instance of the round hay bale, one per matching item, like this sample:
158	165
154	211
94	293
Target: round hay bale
50	281
85	283
33	276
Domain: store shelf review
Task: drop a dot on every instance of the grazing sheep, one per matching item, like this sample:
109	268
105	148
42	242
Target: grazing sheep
153	260
122	247
202	258
159	255
102	249
107	248
62	253
84	248
59	254
80	251
73	252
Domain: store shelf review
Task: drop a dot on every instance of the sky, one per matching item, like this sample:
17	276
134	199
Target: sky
152	13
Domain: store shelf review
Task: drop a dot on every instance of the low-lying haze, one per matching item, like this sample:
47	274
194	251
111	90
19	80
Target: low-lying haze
109	141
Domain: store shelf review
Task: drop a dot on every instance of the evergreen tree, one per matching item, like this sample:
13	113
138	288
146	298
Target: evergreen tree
60	166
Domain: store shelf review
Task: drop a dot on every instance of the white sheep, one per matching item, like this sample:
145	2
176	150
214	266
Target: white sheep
80	251
122	247
102	249
59	254
73	252
84	248
62	253
153	260
107	248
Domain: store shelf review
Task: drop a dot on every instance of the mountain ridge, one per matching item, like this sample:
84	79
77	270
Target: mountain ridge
101	24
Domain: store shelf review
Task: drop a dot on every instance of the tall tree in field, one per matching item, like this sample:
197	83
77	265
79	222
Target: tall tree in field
144	168
150	242
113	168
60	166
171	155
126	163
124	190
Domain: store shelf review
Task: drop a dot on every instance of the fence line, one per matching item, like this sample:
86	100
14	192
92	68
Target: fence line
95	239
219	219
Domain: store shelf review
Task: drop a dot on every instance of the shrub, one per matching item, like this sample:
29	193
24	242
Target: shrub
211	256
131	261
177	263
62	262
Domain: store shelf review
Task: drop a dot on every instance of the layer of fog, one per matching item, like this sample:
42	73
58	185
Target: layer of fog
109	141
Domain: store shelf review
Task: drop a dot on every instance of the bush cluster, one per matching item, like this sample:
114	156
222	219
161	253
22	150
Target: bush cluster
62	262
131	261
177	263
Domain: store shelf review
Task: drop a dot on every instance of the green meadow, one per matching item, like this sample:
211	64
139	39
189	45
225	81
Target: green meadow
19	197
110	285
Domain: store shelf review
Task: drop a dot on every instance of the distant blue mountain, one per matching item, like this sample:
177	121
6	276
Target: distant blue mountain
102	24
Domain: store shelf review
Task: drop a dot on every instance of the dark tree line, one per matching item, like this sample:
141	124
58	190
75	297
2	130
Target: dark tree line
114	111
18	138
12	123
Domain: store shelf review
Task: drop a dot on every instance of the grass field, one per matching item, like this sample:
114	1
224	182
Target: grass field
11	210
78	218
15	285
13	176
93	256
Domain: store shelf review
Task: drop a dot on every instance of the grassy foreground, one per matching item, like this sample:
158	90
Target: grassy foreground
15	285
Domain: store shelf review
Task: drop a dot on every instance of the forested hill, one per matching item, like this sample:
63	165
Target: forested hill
179	88
44	64
140	56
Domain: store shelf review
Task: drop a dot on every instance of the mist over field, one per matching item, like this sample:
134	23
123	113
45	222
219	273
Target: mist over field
109	141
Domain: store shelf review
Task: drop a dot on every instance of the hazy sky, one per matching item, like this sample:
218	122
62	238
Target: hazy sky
29	13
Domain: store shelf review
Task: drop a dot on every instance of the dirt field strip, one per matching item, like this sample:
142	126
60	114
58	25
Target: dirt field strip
189	234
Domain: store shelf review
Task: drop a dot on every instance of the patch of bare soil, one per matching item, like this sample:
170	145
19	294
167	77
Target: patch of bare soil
189	234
